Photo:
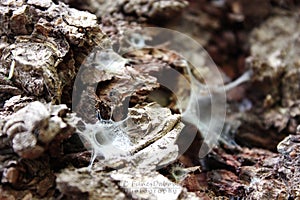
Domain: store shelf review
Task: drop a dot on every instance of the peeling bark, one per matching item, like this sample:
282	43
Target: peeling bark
43	154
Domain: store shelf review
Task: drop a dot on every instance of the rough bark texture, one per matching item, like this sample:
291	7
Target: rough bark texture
42	46
274	60
45	149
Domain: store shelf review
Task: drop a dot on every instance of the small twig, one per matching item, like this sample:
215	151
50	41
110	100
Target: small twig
11	70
